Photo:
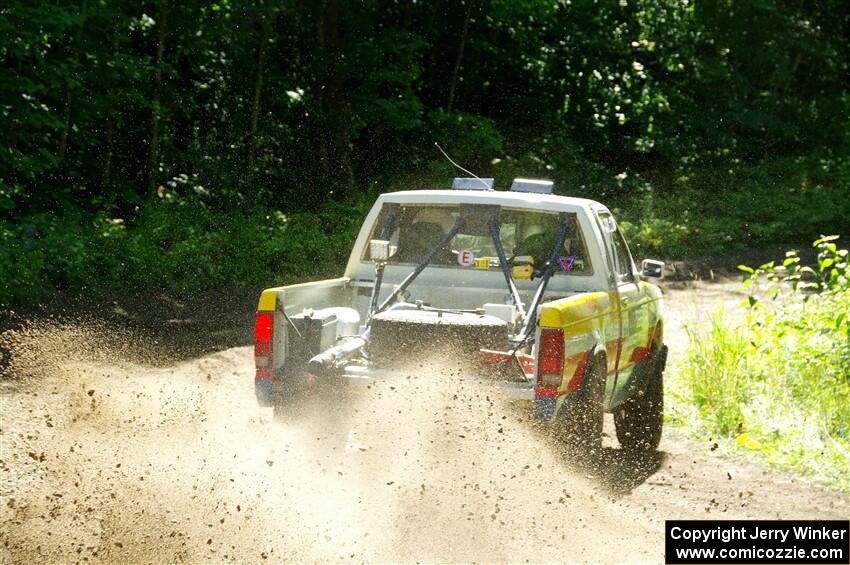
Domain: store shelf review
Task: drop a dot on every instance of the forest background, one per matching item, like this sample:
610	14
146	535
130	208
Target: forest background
182	146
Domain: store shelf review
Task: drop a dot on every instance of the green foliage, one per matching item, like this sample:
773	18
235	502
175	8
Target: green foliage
712	206
707	134
716	374
173	246
780	384
658	237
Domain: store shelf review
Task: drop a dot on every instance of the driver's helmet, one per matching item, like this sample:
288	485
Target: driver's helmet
537	241
417	238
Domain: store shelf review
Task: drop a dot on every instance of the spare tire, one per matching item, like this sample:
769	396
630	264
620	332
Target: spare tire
402	336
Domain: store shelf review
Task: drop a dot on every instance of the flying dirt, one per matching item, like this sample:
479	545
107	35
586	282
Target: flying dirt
112	450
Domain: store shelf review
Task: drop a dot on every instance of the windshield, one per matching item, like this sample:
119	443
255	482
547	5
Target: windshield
417	228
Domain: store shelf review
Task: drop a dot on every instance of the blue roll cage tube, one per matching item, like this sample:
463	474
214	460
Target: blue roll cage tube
548	268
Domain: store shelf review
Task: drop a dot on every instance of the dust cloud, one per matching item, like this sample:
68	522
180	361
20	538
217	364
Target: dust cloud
110	460
114	449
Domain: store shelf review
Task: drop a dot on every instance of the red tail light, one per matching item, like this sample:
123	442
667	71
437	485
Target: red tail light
263	333
550	363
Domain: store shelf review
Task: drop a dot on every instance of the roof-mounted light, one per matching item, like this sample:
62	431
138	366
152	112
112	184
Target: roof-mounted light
463	183
533	185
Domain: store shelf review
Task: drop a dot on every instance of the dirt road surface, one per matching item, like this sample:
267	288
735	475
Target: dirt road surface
112	450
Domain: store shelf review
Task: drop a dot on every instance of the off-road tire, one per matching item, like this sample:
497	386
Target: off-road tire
580	426
402	336
640	419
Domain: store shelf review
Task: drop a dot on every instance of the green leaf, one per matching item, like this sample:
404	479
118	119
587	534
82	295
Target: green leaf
824	239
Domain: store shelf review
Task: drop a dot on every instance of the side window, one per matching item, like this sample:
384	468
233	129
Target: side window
622	257
623	260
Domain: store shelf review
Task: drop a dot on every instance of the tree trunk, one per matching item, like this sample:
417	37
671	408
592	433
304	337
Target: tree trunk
153	150
110	120
69	95
460	49
336	113
267	22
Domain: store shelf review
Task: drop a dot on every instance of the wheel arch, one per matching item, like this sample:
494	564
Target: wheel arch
656	338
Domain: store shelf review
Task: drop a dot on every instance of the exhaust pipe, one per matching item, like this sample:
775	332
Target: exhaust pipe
326	362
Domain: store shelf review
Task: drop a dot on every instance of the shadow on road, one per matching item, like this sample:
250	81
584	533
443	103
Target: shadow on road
154	330
618	471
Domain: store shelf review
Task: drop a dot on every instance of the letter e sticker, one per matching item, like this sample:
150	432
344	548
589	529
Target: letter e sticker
466	258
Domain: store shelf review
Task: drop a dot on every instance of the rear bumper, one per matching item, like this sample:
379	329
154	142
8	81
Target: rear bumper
266	390
507	389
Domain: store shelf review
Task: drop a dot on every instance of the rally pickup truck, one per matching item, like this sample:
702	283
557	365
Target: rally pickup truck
535	293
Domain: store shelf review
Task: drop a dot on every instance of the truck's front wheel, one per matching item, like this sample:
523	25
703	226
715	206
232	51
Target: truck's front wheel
640	419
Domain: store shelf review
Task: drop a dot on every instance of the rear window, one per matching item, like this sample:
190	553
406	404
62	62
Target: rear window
417	228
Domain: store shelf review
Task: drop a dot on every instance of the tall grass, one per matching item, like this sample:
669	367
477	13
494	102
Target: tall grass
779	384
718	388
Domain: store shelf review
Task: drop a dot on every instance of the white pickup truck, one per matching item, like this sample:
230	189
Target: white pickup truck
538	292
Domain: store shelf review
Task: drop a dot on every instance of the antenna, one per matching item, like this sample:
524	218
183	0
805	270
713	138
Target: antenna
446	155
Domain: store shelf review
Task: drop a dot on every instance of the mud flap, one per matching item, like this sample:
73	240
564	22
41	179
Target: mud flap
640	373
264	391
544	408
575	397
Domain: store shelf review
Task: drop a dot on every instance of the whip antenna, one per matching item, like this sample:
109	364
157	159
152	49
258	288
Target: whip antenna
473	175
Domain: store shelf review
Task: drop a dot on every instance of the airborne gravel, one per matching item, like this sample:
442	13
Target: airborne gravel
109	455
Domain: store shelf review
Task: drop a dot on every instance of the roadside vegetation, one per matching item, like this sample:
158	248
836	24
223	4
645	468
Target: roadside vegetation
176	246
778	385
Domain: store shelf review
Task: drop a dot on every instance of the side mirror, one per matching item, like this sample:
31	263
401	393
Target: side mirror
652	269
380	250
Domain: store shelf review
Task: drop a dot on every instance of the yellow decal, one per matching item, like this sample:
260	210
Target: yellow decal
268	299
580	313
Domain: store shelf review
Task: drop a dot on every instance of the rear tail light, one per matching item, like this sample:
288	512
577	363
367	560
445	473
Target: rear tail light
263	334
550	363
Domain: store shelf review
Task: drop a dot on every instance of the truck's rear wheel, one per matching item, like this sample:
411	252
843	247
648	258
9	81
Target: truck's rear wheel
640	419
581	424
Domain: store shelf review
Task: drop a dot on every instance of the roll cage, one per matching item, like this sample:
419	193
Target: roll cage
479	219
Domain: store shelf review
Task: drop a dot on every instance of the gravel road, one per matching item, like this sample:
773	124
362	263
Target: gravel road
113	452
